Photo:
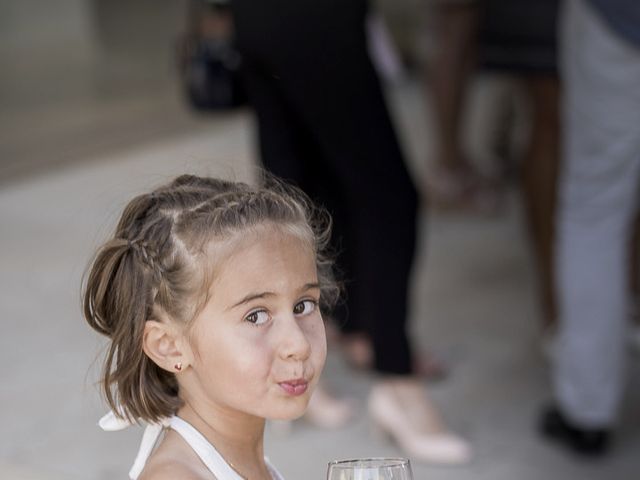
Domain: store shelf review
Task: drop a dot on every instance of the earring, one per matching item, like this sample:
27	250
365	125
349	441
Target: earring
178	366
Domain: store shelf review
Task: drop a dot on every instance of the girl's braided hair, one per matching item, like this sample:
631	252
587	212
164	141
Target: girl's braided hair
155	264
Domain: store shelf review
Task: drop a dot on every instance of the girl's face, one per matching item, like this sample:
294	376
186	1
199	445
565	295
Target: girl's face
259	343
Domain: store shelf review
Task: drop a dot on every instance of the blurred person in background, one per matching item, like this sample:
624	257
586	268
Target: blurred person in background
518	39
453	180
323	123
635	285
600	64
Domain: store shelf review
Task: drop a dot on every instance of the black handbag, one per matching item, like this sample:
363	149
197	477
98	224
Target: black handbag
209	62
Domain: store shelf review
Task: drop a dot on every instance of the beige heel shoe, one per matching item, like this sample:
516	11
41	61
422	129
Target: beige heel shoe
432	445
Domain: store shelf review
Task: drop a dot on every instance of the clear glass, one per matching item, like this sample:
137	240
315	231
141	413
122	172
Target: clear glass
370	469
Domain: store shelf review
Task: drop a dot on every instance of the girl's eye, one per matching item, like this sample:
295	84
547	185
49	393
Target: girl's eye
305	307
258	317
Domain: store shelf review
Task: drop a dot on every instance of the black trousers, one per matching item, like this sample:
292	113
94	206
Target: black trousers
324	125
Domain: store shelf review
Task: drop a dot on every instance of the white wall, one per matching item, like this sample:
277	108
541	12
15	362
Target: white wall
27	25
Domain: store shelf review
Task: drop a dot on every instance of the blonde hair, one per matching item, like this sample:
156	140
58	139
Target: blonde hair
155	264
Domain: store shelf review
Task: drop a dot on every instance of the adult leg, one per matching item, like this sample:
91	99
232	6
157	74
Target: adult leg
634	269
453	181
449	75
597	202
539	180
288	151
634	283
359	143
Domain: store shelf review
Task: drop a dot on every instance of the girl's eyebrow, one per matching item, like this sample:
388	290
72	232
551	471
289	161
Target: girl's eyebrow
310	286
253	296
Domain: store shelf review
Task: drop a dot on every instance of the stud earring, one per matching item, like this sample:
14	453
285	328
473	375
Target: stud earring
178	366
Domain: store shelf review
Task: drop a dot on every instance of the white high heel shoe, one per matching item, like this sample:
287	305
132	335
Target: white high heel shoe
437	446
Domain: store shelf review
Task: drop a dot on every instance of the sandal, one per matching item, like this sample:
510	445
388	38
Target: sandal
462	189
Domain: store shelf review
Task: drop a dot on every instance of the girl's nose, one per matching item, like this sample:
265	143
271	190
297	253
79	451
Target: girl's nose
294	343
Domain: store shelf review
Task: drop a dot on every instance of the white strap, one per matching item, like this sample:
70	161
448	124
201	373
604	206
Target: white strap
275	474
205	451
209	455
149	440
110	422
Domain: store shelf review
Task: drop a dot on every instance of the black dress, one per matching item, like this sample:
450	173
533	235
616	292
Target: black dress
519	35
323	124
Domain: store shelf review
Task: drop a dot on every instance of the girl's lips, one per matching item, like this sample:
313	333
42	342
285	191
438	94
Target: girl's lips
294	387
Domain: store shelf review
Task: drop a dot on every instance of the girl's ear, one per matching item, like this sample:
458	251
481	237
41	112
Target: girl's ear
164	344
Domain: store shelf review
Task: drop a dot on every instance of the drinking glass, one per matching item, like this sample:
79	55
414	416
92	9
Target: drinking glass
370	469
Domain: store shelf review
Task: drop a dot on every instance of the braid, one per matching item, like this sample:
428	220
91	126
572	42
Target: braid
156	262
148	256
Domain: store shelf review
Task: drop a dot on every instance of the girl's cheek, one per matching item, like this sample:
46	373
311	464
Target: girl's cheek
316	336
319	341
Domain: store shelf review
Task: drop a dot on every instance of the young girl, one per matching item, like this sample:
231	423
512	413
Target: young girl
209	293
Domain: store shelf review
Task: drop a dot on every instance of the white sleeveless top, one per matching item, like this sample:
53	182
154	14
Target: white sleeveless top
216	464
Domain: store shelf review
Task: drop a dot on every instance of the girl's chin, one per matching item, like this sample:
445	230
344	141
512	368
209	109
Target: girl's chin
291	412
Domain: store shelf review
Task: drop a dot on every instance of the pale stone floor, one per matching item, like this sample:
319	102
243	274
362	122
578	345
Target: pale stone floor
473	304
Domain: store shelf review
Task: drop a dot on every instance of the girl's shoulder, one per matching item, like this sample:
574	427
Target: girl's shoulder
174	459
172	468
